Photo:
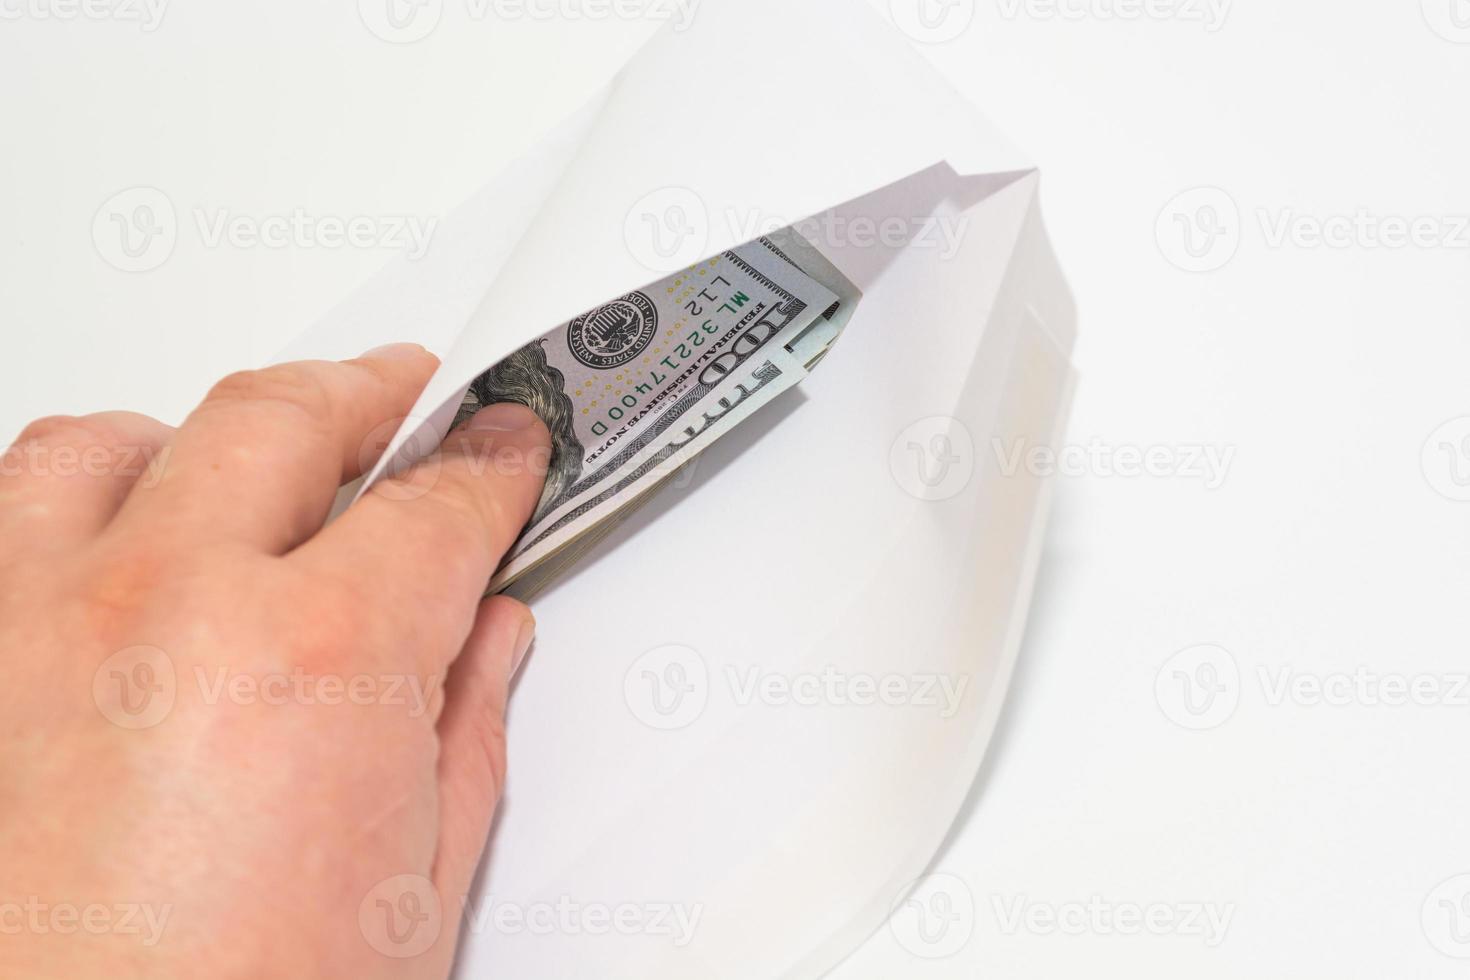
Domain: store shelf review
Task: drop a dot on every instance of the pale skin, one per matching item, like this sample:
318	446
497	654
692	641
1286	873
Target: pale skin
214	757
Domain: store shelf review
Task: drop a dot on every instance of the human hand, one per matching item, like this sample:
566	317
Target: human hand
234	742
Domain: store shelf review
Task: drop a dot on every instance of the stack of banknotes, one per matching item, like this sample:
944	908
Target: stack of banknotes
634	390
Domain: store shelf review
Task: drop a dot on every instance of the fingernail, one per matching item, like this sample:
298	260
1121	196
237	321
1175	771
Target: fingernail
523	645
397	352
504	417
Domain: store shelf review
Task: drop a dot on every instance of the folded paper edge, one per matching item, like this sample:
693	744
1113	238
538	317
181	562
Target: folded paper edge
827	957
973	148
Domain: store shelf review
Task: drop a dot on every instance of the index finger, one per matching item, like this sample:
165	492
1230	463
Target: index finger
260	461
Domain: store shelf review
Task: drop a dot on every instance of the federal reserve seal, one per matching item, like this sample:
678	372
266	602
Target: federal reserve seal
613	335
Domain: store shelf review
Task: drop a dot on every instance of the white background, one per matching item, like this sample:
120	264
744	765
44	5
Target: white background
1331	545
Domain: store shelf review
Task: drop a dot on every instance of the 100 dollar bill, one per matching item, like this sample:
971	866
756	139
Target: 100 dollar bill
636	388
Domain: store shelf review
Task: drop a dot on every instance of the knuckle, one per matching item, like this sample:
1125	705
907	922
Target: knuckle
379	372
57	428
296	387
123	585
90	445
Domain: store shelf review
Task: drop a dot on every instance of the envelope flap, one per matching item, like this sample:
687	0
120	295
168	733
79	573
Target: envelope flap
740	118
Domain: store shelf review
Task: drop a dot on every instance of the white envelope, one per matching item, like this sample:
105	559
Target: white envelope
670	812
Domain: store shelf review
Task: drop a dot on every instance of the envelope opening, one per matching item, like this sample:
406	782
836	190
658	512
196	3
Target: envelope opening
635	389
